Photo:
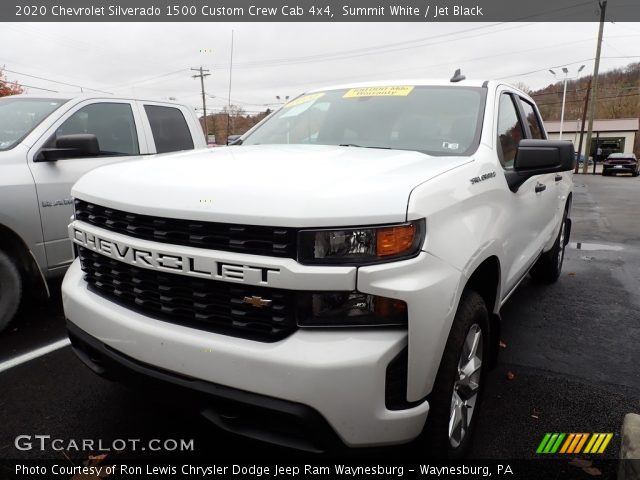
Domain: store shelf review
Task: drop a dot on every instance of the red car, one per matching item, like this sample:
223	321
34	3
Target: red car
621	163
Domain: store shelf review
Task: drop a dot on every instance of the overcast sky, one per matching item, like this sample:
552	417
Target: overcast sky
152	60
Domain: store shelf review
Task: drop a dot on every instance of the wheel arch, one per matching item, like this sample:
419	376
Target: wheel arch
13	245
485	280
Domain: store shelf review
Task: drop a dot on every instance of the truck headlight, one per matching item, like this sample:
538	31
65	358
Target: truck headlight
361	245
351	309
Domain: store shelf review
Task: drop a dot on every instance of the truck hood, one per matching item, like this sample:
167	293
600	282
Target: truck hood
282	185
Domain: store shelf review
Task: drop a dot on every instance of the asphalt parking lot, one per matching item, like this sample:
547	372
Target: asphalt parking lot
569	362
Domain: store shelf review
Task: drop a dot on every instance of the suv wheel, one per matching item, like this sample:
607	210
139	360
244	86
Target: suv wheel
10	290
457	391
548	267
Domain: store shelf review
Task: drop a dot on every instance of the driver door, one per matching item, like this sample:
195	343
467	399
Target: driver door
117	127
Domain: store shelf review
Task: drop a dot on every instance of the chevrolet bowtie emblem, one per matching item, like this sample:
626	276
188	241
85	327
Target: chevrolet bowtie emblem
258	302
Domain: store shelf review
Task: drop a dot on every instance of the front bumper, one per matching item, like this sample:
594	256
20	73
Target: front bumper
340	374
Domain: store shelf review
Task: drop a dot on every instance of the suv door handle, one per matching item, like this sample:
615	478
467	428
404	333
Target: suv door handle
540	187
558	178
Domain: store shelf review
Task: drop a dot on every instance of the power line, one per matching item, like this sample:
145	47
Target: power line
53	81
599	99
28	86
562	65
147	80
575	90
380	49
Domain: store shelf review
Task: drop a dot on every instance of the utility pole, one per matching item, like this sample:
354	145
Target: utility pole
594	90
203	73
229	99
584	118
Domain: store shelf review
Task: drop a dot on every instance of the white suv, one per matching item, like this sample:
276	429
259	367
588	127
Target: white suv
339	274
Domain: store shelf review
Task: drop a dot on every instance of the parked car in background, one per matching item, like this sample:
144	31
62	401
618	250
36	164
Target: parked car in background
46	144
580	159
621	163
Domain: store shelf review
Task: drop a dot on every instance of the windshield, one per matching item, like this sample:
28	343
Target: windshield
434	120
19	115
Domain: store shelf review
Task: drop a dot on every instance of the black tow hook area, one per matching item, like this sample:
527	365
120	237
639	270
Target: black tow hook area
88	356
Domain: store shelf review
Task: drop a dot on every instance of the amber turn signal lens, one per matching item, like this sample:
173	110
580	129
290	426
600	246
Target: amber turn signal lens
390	307
395	240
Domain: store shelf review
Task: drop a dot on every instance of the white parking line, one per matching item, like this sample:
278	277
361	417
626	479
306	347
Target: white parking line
25	357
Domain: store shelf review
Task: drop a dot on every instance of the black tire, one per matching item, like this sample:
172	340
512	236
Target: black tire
604	173
436	438
10	290
549	266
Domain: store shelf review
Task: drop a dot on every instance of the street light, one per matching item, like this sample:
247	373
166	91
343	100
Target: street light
286	99
565	70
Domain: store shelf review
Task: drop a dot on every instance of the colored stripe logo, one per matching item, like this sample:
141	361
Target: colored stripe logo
574	443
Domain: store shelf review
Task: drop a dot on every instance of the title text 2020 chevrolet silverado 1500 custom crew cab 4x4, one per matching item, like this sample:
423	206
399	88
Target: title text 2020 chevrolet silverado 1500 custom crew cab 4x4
337	275
46	144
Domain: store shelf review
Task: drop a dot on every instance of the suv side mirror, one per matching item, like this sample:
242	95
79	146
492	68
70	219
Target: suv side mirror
537	157
70	146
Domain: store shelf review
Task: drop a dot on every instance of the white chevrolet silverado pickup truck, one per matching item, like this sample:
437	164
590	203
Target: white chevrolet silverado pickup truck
49	141
335	277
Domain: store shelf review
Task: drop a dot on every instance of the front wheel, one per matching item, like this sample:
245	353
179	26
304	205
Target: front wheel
456	396
10	290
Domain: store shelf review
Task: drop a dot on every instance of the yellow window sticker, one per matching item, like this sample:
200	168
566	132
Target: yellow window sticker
399	91
304	99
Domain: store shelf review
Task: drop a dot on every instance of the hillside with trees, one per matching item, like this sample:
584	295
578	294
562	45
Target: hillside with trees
618	95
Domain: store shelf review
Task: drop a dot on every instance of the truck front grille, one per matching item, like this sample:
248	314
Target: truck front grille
229	237
209	305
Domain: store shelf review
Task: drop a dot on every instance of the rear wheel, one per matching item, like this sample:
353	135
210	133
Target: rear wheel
10	290
548	267
456	396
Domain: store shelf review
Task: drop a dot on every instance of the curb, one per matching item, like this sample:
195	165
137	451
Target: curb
630	448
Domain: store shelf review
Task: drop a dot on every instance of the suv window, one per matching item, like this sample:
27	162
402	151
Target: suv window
532	119
111	123
510	130
169	128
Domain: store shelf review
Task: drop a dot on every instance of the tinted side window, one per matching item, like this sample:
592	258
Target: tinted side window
510	131
170	130
111	123
532	119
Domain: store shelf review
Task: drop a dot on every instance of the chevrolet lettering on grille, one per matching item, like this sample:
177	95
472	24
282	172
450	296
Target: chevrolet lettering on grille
200	267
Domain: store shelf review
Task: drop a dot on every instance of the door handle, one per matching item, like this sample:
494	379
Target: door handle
558	178
540	187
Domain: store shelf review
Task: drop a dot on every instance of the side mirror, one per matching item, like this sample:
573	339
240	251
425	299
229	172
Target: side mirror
70	146
537	157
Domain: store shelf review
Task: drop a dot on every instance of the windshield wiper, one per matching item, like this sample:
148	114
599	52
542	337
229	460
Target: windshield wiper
362	146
